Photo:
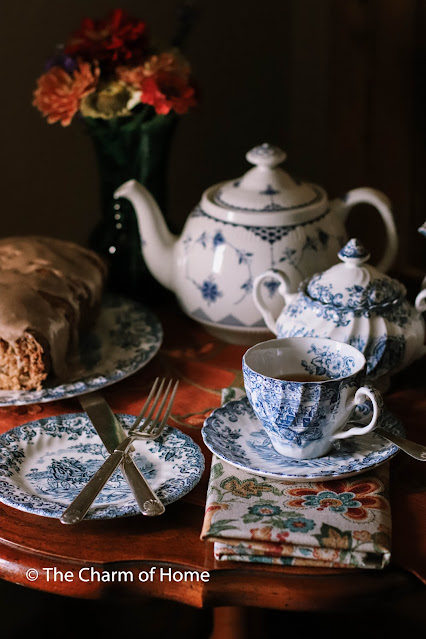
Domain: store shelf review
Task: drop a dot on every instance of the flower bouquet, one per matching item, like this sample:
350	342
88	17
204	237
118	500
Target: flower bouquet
128	95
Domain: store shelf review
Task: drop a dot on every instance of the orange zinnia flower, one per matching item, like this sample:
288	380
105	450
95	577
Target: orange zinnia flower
58	93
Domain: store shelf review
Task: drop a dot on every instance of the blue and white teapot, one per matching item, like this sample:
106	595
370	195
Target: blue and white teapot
241	227
351	302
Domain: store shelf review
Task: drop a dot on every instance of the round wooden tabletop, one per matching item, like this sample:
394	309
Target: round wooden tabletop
164	557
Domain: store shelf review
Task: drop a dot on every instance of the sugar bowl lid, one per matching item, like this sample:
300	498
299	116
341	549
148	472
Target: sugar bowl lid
266	187
354	284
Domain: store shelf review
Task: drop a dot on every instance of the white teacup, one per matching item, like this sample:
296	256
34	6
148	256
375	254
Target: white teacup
304	390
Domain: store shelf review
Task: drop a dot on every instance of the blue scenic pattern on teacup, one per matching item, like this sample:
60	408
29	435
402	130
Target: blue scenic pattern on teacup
302	417
296	413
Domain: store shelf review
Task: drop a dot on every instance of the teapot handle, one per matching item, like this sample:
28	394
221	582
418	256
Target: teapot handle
366	195
259	300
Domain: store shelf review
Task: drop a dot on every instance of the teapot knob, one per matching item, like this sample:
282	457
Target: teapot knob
266	155
354	253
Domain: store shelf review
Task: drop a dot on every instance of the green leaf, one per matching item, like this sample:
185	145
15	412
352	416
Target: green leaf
217	470
218	526
249	519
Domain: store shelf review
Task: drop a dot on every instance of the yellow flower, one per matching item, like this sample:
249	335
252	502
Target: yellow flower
108	101
246	488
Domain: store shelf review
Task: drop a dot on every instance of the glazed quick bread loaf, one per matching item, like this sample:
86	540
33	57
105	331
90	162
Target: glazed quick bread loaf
50	290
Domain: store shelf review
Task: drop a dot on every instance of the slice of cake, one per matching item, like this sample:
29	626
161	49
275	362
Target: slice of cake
50	290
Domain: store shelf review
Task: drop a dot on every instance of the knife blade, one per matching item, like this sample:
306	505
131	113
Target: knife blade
112	434
103	419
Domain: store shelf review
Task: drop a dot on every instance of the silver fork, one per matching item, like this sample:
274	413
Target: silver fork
151	428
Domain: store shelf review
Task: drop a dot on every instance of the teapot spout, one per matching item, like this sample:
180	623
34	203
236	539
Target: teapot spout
157	243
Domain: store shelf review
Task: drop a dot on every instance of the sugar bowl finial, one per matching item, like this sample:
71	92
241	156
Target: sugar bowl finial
354	253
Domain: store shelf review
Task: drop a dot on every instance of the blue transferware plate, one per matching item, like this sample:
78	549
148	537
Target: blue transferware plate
233	433
125	338
44	464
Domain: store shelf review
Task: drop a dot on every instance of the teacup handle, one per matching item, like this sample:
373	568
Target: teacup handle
261	304
367	195
377	402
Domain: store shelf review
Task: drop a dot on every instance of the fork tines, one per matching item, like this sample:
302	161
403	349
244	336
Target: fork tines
151	420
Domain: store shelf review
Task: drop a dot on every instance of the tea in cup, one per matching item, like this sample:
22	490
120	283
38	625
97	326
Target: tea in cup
304	391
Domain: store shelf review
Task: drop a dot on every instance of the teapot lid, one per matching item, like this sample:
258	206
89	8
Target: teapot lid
266	187
353	284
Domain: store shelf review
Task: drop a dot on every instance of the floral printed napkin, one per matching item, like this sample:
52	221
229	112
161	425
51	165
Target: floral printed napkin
338	523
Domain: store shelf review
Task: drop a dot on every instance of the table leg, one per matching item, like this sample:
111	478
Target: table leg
235	623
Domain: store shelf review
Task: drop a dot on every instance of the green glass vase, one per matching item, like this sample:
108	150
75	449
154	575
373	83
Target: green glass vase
130	147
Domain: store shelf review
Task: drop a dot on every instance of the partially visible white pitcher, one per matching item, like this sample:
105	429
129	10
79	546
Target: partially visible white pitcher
242	227
421	297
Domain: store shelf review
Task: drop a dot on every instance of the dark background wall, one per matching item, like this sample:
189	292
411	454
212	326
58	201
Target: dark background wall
339	85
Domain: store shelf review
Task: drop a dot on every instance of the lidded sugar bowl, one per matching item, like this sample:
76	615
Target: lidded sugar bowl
351	302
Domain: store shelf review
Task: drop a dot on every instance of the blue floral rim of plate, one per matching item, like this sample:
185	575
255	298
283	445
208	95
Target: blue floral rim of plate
235	435
44	464
125	338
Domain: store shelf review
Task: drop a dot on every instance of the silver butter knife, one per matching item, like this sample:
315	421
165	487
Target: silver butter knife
112	434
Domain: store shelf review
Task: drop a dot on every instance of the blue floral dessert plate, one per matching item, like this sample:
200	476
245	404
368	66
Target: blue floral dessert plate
125	338
234	434
44	464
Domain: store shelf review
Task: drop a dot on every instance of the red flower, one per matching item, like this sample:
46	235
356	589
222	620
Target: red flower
164	82
118	39
58	94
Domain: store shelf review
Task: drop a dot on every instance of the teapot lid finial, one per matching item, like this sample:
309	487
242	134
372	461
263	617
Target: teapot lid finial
354	253
266	155
267	189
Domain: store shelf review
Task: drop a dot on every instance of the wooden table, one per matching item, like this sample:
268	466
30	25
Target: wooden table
33	546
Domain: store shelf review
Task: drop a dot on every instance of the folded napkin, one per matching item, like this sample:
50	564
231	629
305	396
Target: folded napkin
338	523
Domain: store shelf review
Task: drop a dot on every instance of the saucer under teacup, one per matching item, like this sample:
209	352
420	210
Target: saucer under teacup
235	435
